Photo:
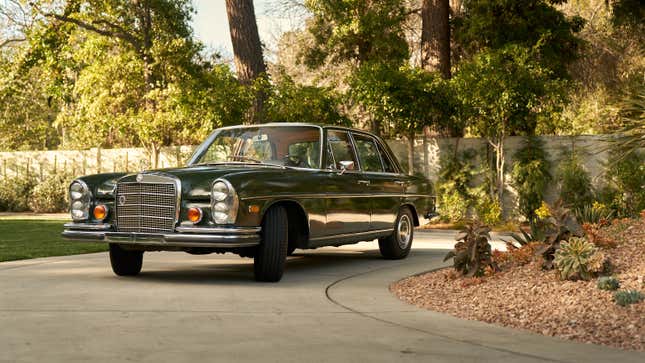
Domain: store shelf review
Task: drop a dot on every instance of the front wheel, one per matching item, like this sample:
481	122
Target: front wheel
397	245
271	254
125	262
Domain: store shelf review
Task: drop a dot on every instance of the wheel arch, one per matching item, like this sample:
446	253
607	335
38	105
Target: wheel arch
299	231
415	215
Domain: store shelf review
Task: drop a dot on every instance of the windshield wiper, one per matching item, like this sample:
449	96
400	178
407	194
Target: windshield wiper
245	158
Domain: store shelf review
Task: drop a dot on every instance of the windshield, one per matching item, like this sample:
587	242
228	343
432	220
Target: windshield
294	146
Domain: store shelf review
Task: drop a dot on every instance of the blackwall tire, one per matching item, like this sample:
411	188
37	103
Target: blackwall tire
397	246
124	262
271	255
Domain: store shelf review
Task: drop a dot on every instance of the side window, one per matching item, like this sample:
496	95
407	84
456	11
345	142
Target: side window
304	154
368	153
387	163
339	149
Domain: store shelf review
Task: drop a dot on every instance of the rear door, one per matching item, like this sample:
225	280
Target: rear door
383	182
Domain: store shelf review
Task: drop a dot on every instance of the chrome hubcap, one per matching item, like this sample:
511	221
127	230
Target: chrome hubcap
404	231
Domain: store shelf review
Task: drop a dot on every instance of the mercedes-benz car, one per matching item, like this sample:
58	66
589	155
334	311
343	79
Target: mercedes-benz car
258	191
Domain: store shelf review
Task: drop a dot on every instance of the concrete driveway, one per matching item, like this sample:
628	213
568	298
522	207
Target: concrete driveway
332	305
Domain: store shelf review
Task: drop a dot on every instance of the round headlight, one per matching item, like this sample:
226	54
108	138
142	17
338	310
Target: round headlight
220	191
220	218
80	198
77	205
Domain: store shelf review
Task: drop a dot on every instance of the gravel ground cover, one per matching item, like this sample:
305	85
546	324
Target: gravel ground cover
526	297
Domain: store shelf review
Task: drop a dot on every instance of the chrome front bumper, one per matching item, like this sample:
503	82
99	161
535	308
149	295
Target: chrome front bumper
184	236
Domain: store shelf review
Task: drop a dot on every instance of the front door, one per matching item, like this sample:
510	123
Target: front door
346	201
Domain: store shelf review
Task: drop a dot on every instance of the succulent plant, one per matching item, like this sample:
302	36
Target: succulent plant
609	283
524	238
559	226
627	297
577	258
472	252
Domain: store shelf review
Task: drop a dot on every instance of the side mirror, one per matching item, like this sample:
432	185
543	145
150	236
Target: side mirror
345	165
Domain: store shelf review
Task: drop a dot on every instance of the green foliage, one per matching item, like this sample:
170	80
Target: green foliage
356	30
608	283
530	176
291	102
579	259
50	195
487	208
472	254
594	213
625	177
456	172
574	183
628	297
529	23
15	192
524	238
628	12
407	98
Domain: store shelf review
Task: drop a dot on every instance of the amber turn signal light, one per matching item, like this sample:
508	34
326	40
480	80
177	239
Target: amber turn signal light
254	209
195	215
100	212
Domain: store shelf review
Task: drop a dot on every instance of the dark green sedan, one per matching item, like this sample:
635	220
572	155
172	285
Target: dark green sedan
257	191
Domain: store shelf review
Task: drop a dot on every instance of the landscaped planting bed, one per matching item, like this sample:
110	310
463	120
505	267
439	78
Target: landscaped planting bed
525	296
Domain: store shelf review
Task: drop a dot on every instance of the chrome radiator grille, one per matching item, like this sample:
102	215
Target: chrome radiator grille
146	207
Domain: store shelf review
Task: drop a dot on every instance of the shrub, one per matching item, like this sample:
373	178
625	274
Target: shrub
578	259
530	176
453	206
15	193
488	209
455	175
625	178
595	213
627	297
574	183
608	283
559	226
472	254
50	196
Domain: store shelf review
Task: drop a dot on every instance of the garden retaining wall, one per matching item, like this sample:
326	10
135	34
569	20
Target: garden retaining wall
591	150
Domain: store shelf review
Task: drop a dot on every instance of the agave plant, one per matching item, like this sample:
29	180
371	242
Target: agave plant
472	252
593	214
524	238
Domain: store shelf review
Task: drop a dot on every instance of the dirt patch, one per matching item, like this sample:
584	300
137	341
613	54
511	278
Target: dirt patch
526	297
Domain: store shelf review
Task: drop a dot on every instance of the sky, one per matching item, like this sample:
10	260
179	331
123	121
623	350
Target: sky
211	24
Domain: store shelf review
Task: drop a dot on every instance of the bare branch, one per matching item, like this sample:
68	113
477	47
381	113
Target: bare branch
12	40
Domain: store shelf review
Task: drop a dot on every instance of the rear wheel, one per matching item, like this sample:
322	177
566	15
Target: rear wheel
124	262
271	255
398	244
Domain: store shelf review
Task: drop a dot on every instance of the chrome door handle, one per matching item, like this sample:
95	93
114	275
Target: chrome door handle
365	182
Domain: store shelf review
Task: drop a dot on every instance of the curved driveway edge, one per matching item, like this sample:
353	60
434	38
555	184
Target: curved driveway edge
332	305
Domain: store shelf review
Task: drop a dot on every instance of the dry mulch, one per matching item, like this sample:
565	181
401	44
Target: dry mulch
526	297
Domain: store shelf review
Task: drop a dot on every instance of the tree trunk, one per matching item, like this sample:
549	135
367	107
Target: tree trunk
435	36
411	153
247	48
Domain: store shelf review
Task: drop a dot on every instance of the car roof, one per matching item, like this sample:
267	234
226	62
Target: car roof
301	124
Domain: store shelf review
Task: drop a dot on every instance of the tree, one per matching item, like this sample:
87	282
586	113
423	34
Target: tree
291	102
406	99
435	36
495	24
503	93
359	32
247	48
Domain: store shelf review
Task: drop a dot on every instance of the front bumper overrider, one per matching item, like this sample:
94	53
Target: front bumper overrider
184	236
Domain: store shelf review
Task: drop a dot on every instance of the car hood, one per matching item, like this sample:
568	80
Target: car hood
196	180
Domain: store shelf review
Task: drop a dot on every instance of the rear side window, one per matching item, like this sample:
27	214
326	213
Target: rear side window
387	163
368	152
